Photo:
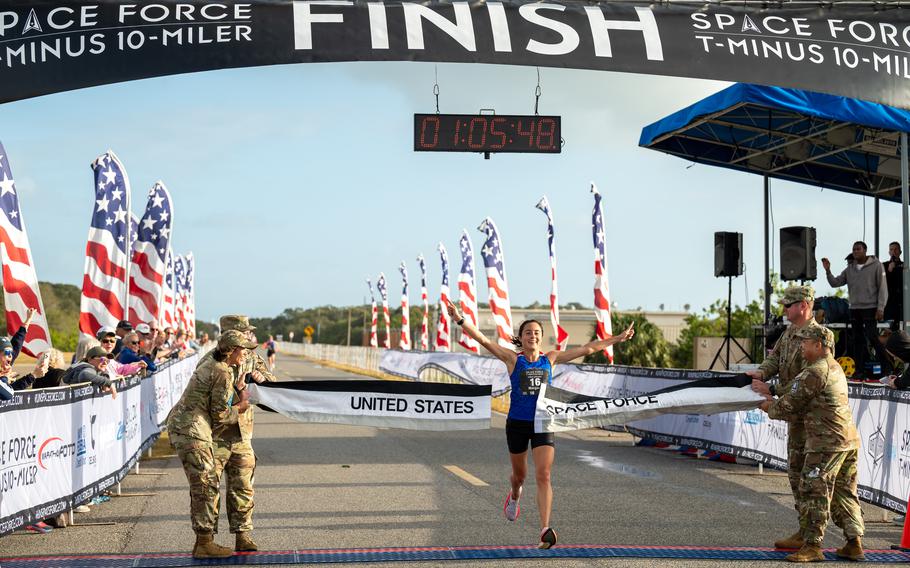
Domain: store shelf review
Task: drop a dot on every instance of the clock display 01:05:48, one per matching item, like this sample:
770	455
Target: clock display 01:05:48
487	133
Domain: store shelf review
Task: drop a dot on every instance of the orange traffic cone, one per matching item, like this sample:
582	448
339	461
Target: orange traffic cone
905	537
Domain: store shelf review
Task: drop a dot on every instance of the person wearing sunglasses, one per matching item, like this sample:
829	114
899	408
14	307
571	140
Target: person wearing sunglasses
93	369
132	352
117	370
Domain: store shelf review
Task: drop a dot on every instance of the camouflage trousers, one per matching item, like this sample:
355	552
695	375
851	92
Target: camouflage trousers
828	483
796	458
203	472
239	463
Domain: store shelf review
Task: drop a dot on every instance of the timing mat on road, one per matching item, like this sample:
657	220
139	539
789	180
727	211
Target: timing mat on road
435	553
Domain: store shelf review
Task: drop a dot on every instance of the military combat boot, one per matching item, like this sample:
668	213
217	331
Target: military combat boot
795	540
244	543
206	548
808	553
852	550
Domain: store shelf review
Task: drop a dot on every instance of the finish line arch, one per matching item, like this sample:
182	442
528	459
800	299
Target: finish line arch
857	50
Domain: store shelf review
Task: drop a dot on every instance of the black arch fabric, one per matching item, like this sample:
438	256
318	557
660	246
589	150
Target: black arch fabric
860	51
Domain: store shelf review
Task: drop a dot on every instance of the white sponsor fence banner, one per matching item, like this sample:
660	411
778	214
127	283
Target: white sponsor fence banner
61	447
392	404
882	415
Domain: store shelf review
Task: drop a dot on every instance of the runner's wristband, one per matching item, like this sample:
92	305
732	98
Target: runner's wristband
459	322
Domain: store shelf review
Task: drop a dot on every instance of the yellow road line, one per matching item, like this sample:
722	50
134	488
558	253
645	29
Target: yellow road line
466	476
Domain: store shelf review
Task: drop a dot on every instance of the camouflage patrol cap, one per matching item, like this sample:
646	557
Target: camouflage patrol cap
233	338
235	321
817	333
795	294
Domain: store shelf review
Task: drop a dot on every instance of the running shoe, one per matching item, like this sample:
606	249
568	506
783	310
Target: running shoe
40	527
547	538
511	509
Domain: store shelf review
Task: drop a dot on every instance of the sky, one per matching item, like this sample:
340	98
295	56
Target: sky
292	184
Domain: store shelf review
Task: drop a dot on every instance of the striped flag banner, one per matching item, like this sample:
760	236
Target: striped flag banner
498	287
134	231
443	323
384	295
604	326
373	323
189	293
168	318
425	322
179	297
405	342
562	338
149	262
560	410
20	281
467	291
385	404
105	290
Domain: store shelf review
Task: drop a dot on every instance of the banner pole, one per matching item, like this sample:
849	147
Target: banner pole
905	203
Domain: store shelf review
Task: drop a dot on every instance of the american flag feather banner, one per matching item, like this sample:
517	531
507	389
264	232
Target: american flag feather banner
384	295
444	324
604	326
134	230
20	281
168	318
425	322
374	342
179	284
562	338
405	342
496	282
149	262
467	291
189	293
105	290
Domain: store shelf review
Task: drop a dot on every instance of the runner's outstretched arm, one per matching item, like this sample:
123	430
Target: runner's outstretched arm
507	356
593	347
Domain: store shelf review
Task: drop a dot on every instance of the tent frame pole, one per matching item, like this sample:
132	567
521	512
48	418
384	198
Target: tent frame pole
767	278
905	222
877	232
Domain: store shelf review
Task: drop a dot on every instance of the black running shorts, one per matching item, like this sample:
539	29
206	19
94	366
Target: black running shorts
520	432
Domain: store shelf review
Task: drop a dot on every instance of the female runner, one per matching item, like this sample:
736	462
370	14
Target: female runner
528	369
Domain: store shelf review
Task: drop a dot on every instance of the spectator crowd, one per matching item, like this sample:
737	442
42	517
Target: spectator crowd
104	360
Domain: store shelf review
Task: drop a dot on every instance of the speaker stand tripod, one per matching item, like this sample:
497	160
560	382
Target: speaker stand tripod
727	337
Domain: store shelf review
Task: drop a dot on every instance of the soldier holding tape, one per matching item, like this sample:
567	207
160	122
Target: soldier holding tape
233	445
204	410
786	361
818	396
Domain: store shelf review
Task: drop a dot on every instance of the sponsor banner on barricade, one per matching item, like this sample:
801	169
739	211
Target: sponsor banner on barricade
392	404
882	416
61	447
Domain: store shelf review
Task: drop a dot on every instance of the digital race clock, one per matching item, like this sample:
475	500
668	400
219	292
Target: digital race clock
487	133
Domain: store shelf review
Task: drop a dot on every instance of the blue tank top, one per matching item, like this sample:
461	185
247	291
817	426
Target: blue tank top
526	379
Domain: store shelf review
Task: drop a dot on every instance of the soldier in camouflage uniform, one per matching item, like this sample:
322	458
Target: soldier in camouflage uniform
233	445
204	410
786	361
818	395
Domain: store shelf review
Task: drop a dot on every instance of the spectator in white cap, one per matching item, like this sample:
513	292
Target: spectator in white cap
117	370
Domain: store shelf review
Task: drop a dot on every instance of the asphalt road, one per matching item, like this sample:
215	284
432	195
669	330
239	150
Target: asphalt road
328	486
